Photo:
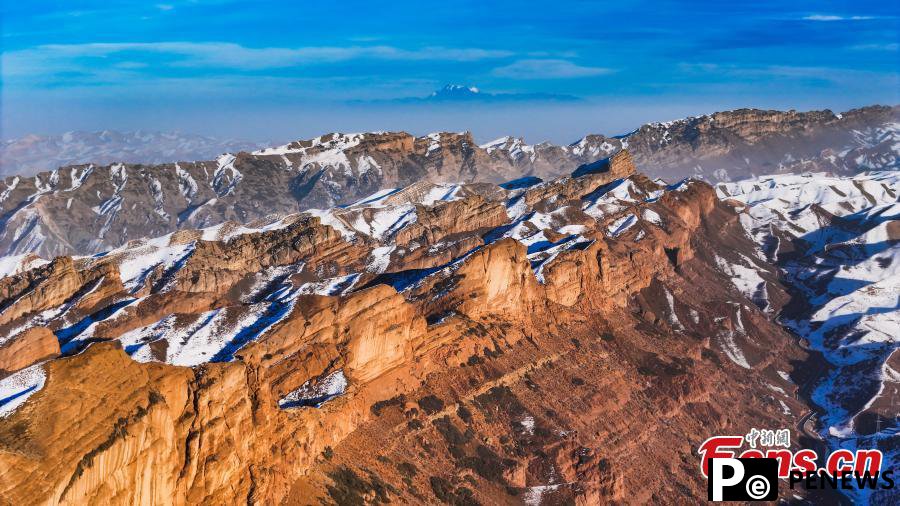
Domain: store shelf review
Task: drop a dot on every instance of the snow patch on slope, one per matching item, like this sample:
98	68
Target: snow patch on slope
314	392
16	388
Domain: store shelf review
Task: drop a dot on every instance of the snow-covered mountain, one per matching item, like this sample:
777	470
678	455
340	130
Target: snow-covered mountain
31	154
454	91
94	207
837	241
723	146
458	94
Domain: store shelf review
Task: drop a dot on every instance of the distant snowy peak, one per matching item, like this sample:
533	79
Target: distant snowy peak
455	91
458	93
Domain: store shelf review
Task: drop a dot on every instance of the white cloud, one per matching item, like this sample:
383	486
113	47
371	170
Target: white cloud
547	69
50	58
846	77
892	46
832	17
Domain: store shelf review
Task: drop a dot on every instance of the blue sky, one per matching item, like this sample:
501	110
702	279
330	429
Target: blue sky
267	70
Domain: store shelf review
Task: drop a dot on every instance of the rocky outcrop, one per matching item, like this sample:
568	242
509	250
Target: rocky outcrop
49	286
27	348
434	224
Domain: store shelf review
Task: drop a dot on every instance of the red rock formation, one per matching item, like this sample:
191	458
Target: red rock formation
519	366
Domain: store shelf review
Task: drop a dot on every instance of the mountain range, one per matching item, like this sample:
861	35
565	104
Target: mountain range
722	146
89	208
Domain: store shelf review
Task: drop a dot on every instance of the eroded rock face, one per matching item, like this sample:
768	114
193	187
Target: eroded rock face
454	343
87	209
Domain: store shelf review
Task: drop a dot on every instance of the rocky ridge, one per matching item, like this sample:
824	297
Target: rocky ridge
459	343
740	144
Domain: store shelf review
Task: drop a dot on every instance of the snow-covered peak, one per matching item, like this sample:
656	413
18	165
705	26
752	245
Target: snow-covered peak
594	146
333	142
455	90
496	143
514	147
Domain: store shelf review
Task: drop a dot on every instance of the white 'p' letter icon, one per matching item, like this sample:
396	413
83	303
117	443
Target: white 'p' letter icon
718	482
